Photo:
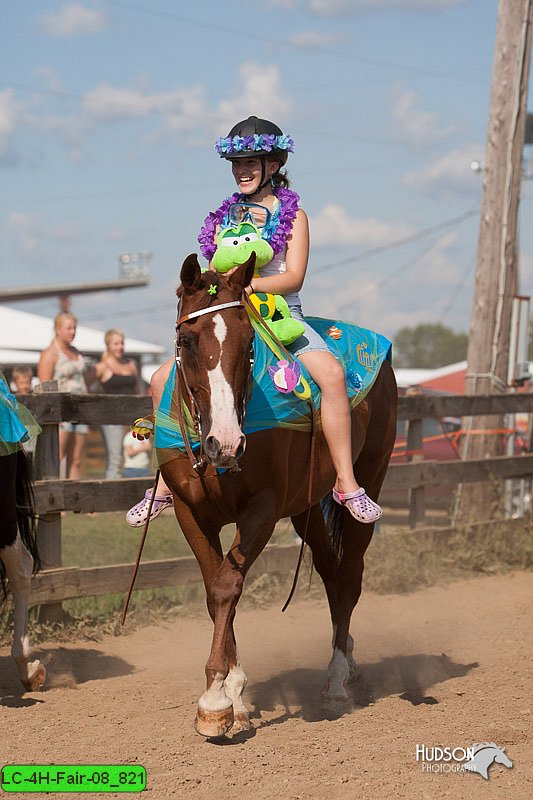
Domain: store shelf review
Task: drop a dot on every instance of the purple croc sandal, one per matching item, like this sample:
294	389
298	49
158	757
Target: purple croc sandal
137	516
359	504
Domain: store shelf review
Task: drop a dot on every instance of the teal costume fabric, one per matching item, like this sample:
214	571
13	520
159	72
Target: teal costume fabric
360	351
17	424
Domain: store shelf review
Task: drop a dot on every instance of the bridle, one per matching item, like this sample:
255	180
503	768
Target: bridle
198	462
182	383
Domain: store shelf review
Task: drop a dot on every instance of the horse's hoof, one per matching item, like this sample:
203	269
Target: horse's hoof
335	705
241	723
36	682
214	723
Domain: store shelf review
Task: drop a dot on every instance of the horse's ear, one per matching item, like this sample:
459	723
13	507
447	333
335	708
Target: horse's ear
242	277
190	274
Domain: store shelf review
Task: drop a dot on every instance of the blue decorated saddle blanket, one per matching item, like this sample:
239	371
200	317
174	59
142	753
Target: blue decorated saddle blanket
17	424
360	351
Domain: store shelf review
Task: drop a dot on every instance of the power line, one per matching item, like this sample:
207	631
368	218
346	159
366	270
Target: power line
403	268
399	242
459	288
330	51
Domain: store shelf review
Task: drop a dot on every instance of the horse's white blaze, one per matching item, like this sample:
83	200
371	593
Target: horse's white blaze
215	698
19	564
225	424
338	674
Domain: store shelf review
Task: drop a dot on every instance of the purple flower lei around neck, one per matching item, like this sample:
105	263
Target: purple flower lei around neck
279	229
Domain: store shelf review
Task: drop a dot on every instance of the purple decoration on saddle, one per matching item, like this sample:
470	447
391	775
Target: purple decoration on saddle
285	376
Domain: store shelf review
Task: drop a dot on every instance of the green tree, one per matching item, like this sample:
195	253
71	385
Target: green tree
428	345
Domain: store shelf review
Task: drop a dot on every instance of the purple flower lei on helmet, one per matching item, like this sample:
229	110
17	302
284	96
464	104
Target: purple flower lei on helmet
278	230
259	142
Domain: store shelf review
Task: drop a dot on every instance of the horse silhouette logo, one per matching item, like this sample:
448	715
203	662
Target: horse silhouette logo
485	754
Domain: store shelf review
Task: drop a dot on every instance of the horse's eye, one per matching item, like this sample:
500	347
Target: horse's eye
186	342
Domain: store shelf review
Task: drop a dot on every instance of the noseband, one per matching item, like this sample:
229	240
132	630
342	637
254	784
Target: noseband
195	411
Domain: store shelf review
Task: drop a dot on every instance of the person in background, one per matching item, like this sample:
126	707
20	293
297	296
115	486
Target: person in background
117	375
136	457
21	378
62	362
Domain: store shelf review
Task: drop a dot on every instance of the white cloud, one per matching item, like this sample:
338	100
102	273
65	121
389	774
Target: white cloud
416	127
333	227
345	7
73	19
450	172
379	295
8	120
262	92
28	232
314	40
108	103
22	230
175	112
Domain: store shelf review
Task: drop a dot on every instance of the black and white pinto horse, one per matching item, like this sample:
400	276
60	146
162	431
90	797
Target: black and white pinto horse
19	558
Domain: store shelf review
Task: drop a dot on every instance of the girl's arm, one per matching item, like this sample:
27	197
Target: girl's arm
45	368
296	260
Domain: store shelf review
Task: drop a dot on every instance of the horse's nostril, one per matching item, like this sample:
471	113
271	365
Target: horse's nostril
241	447
212	447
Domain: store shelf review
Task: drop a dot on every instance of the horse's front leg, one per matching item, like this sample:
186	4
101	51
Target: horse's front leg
221	704
19	566
235	685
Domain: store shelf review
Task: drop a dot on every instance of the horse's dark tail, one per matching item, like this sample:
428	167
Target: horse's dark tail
25	512
334	519
25	499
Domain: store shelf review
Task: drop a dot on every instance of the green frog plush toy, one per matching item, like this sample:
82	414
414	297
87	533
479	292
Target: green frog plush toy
235	246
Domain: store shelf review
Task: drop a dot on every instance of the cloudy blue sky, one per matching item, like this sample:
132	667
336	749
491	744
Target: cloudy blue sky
109	111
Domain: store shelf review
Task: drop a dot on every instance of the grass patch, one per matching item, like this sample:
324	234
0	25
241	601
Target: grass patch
398	560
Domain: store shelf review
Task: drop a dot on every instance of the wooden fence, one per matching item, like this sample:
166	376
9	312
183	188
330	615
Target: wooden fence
53	495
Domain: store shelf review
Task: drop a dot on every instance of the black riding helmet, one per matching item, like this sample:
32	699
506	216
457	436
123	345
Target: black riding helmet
256	138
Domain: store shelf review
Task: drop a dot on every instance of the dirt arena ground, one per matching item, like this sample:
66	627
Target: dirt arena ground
445	666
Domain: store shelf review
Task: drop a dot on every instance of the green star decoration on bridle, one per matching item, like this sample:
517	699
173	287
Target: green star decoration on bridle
212	289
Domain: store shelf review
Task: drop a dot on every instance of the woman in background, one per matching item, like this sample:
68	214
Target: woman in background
117	375
62	362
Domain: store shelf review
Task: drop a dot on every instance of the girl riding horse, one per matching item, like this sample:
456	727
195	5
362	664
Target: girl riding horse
257	150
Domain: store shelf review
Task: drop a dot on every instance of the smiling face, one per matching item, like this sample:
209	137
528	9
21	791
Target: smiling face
247	173
116	346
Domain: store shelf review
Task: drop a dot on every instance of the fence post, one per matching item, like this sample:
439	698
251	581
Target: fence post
417	494
49	525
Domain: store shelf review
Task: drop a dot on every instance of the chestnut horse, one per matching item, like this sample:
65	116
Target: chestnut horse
19	558
214	337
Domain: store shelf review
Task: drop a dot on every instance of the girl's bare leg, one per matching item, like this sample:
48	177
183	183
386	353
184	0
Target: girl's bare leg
157	385
335	413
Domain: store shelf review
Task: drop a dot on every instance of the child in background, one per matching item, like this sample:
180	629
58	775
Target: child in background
21	378
136	457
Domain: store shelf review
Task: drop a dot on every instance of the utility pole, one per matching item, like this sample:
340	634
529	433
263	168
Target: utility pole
496	278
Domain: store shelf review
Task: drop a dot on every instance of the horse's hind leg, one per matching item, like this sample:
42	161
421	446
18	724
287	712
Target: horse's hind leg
342	668
19	566
18	563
